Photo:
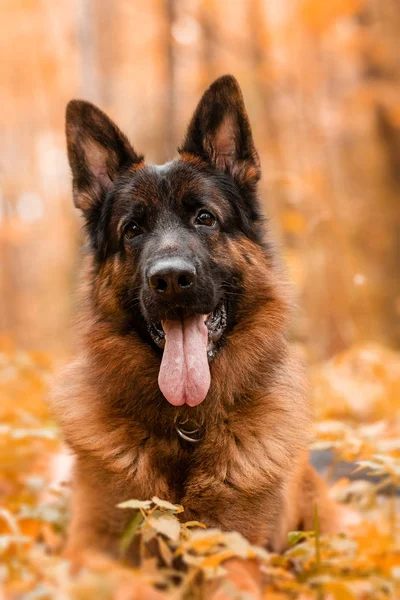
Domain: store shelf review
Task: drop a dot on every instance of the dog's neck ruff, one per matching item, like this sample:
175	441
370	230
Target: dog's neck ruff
188	432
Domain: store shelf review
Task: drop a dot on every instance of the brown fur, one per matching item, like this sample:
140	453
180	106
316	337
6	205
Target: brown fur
250	472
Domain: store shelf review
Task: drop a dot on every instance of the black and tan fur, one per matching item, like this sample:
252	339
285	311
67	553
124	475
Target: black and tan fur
250	472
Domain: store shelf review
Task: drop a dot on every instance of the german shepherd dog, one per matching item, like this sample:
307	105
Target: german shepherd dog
185	386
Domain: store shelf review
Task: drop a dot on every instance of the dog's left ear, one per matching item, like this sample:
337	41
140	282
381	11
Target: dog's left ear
97	151
220	134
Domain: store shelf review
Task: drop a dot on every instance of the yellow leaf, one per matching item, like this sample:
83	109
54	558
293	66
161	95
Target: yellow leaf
144	504
166	524
167	505
195	524
339	590
216	559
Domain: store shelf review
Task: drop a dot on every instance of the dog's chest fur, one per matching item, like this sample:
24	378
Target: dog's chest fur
245	446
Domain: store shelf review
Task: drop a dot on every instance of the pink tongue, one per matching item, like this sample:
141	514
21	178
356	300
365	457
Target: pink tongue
184	373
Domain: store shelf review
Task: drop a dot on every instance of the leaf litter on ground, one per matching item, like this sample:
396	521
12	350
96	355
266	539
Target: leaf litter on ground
357	400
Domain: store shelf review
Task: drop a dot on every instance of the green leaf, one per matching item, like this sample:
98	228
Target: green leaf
294	537
130	532
317	538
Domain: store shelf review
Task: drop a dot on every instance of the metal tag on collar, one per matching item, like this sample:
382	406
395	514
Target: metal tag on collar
187	434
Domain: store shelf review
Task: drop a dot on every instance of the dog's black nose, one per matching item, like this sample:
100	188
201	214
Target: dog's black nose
171	276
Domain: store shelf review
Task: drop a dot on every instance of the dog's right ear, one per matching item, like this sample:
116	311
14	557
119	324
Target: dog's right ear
220	133
97	152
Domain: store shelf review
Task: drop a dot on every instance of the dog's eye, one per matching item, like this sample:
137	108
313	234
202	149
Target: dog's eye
205	218
131	231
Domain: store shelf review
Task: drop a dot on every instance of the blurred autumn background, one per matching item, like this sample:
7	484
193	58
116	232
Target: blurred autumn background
321	82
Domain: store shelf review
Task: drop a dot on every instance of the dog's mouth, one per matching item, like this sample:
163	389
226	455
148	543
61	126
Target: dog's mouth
189	343
216	323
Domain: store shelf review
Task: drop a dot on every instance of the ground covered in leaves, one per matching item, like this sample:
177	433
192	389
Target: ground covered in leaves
357	399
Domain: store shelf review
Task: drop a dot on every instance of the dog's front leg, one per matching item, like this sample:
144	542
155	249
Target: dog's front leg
253	514
96	521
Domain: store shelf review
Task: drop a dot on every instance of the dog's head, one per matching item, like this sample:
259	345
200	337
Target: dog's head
163	237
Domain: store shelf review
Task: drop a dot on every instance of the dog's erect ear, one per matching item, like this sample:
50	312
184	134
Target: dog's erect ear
220	134
97	152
